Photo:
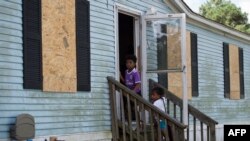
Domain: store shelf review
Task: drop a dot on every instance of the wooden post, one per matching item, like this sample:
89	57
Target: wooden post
114	127
212	132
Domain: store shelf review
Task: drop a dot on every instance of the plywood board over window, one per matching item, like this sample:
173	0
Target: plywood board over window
174	61
233	71
175	79
59	45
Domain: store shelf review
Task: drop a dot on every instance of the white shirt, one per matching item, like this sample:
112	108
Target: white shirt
160	104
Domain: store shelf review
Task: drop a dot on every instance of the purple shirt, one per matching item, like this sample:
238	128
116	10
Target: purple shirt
131	79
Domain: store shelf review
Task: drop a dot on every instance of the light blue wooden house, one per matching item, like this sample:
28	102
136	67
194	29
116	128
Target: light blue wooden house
56	55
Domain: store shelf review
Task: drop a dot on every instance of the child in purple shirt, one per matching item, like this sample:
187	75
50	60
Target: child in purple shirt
132	81
132	76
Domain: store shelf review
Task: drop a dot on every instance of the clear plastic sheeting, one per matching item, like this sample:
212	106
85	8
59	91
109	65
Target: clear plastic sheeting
163	39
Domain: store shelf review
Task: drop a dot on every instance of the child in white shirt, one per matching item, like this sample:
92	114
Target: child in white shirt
159	101
157	96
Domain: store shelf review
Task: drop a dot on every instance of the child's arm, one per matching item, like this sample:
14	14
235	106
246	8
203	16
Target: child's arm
137	80
137	87
122	79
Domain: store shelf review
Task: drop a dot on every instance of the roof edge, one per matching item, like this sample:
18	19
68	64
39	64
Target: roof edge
210	23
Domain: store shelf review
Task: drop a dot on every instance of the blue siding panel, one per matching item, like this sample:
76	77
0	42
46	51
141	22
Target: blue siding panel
10	25
67	113
11	4
211	79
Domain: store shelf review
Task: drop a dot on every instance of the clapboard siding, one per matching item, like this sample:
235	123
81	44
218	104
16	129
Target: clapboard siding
55	113
60	119
10	18
16	1
105	22
55	131
47	95
8	65
103	15
102	37
11	79
102	31
51	100
68	113
62	125
8	86
211	79
9	45
38	107
10	58
10	38
11	12
10	32
10	25
101	10
7	72
107	53
11	52
104	57
16	5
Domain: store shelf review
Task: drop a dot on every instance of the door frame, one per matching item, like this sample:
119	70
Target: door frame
136	14
183	70
119	8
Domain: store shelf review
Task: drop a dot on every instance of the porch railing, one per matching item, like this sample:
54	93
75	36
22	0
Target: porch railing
144	125
200	126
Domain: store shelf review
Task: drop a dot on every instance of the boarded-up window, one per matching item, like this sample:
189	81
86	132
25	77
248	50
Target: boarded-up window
32	52
233	71
175	79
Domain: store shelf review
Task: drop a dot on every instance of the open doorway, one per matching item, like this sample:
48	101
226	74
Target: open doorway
126	39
